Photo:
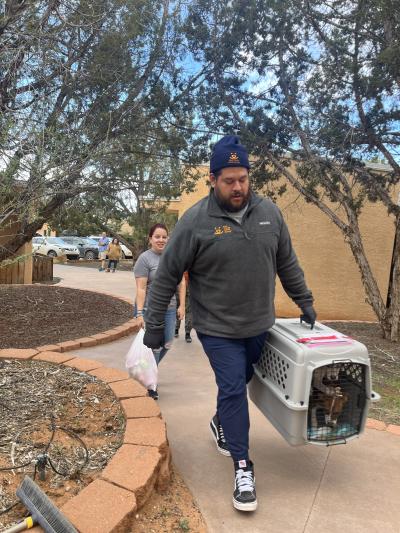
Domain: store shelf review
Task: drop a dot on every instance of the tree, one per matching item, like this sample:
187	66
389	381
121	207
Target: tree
82	80
133	186
318	84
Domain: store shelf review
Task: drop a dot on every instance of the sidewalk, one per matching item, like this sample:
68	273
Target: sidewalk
310	489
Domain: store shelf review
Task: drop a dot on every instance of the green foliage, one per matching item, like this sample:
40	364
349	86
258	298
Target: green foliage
89	96
75	218
184	524
17	259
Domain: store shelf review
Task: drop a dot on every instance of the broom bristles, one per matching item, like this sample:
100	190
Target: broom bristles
42	509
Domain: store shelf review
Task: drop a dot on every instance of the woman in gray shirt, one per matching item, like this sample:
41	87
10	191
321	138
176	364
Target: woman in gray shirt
145	272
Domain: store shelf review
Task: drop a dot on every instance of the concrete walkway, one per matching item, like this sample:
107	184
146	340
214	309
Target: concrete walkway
310	489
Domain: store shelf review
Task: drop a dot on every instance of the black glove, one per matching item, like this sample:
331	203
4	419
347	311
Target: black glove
153	338
309	315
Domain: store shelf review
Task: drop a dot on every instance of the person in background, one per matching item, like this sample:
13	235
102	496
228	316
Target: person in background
233	243
145	272
114	254
103	245
188	314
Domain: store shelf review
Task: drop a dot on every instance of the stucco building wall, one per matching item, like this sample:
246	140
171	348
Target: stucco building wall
329	266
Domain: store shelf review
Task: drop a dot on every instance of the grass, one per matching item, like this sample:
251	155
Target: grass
388	407
184	524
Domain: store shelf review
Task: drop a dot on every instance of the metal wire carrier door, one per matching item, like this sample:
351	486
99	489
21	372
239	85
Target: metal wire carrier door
337	401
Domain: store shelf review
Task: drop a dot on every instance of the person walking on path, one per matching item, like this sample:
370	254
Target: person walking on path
114	251
188	313
233	243
103	245
145	273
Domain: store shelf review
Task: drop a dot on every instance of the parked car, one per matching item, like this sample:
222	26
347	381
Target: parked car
88	248
54	247
126	253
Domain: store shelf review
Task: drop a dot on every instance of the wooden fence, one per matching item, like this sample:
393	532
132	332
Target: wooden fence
14	273
42	268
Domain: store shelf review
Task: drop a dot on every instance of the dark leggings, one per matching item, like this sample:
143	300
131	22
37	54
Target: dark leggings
113	262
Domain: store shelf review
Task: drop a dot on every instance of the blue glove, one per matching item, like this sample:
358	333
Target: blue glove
309	315
153	339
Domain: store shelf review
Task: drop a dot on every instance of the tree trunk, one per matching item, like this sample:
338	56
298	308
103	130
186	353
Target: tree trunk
27	231
10	248
390	325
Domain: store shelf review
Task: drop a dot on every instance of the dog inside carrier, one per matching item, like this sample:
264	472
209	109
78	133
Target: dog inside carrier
314	385
337	401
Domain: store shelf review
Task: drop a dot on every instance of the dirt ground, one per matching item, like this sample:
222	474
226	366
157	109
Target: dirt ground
38	315
170	512
61	432
385	362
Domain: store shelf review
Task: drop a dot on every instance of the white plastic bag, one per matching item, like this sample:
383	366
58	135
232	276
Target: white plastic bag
141	364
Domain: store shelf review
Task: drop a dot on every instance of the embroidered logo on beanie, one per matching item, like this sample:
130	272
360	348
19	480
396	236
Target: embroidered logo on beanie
234	158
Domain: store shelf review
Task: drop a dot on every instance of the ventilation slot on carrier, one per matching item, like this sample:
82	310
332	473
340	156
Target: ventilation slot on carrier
274	367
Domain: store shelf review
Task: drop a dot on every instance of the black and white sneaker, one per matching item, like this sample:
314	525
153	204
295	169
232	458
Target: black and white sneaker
244	496
218	434
152	393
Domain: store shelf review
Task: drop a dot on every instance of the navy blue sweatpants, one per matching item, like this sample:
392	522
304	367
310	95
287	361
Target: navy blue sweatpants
232	361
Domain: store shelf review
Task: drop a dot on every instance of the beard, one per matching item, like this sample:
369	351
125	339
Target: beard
226	203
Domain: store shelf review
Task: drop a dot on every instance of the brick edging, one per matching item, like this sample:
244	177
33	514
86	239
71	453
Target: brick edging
379	425
142	463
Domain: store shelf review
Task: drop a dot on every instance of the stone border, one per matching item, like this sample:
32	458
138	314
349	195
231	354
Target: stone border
143	462
382	426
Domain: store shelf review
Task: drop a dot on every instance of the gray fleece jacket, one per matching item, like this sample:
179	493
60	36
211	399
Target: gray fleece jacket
232	269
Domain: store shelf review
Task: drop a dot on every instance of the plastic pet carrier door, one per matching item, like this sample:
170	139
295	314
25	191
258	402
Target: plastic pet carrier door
313	385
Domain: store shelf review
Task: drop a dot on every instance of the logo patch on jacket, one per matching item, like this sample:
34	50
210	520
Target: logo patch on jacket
220	230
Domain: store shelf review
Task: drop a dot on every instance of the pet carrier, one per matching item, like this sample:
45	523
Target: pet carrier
314	385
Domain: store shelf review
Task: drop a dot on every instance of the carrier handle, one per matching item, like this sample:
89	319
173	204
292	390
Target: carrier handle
302	319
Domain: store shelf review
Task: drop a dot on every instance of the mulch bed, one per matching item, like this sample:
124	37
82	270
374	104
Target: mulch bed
38	315
385	362
57	425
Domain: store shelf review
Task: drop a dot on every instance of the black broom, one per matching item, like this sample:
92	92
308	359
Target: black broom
42	509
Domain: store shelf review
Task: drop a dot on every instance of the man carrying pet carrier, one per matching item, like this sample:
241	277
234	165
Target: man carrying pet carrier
233	243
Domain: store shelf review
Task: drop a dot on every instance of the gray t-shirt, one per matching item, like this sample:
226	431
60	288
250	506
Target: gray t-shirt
146	267
237	215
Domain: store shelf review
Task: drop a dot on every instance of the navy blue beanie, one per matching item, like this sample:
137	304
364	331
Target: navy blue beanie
228	152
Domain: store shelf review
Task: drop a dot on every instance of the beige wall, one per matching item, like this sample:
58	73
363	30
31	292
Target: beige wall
326	259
